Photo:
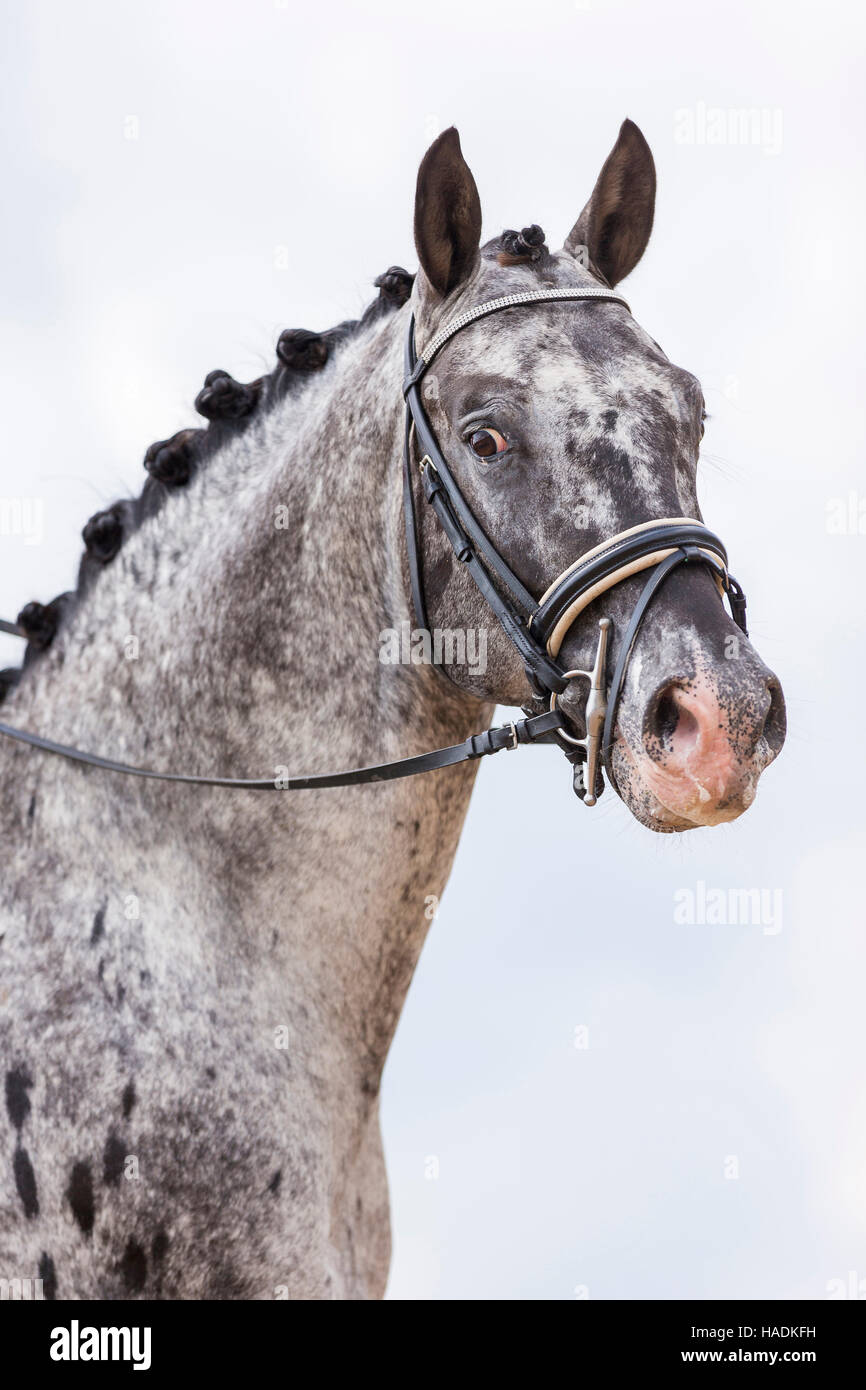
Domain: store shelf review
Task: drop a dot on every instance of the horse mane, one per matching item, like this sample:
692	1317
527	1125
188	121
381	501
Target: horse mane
228	406
519	248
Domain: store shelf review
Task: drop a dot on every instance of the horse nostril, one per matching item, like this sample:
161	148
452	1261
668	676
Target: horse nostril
665	717
671	721
775	720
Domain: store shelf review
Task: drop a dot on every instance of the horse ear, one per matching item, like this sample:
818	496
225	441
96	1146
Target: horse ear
615	225
447	214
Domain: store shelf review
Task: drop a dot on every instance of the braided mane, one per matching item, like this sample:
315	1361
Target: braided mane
228	406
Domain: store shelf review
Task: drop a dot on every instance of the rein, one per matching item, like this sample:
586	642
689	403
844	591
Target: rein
536	628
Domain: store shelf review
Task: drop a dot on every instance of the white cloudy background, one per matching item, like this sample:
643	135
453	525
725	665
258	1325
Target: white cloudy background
131	266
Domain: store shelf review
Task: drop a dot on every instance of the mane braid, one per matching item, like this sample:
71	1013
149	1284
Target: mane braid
520	248
228	406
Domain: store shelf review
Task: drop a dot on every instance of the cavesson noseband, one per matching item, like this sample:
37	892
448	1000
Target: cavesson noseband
537	628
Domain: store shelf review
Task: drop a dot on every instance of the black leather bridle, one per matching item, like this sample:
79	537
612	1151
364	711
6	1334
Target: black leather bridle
535	627
538	627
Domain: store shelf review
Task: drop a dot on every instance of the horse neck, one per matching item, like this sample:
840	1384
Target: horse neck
238	633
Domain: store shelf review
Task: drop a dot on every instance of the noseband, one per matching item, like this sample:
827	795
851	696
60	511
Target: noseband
536	628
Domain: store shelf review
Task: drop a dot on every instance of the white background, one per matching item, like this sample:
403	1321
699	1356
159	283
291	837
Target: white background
131	266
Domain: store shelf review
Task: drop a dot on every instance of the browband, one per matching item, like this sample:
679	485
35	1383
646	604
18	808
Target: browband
506	301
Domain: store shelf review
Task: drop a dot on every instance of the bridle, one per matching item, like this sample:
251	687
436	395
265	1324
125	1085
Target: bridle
536	628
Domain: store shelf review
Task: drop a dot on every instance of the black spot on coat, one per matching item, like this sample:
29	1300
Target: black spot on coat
133	1267
18	1083
98	925
113	1158
48	1275
79	1194
25	1182
128	1099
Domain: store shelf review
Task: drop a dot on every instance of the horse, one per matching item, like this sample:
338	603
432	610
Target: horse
200	985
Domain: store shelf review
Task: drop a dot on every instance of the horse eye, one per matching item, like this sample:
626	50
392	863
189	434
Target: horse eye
487	443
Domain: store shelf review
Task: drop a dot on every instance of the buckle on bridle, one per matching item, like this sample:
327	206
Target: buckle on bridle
596	709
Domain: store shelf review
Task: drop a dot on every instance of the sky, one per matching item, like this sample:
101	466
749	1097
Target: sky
586	1098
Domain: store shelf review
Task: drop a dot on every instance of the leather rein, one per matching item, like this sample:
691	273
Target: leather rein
536	628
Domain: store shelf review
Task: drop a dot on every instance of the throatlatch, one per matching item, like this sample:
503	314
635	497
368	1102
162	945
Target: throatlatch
536	628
